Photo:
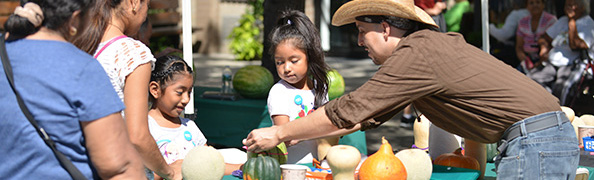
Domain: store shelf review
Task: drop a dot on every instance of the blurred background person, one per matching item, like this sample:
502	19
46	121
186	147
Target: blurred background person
530	28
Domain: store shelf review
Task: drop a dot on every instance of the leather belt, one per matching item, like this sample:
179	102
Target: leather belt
533	126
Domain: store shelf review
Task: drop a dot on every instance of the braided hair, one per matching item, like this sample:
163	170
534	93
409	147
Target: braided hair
165	69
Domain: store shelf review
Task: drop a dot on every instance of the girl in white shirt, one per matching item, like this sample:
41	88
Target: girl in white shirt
303	87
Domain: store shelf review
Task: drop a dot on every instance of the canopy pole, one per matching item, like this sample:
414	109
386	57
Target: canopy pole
187	46
485	24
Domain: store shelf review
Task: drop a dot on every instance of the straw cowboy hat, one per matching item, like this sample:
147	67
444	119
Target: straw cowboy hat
399	8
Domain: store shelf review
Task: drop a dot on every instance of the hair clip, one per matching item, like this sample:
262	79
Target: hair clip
32	12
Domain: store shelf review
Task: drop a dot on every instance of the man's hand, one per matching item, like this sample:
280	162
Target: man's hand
262	139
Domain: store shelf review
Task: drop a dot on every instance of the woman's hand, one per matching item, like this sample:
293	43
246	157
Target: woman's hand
262	139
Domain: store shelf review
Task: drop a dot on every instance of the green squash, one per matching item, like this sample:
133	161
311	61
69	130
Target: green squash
261	168
279	153
253	82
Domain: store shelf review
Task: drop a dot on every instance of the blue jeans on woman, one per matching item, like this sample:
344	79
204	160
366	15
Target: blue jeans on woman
550	153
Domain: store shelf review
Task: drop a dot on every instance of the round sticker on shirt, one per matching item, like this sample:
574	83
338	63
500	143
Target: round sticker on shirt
188	135
298	100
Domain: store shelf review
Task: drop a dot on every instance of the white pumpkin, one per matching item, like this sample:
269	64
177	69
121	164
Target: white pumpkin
568	112
343	160
417	163
203	162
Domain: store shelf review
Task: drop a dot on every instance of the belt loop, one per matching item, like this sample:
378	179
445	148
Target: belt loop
558	115
523	131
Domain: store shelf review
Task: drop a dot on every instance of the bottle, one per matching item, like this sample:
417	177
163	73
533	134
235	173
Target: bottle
227	77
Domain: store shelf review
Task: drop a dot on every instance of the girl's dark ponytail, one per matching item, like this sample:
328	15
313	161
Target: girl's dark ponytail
295	25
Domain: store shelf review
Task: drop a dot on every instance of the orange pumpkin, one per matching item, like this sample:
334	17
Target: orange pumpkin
456	159
382	165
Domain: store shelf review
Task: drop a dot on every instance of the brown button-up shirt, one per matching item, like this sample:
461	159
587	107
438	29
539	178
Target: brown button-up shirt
458	87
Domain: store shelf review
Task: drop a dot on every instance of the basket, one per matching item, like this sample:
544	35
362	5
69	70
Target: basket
588	143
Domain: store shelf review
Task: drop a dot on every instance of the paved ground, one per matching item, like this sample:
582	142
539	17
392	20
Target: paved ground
354	71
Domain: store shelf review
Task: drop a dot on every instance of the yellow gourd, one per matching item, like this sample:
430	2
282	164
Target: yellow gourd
324	146
382	165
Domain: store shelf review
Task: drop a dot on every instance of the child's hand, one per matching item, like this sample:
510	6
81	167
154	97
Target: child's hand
176	165
292	142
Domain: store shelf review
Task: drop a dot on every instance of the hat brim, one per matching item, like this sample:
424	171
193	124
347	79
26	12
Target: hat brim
347	13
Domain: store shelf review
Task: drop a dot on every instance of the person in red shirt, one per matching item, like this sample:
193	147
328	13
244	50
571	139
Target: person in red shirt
435	9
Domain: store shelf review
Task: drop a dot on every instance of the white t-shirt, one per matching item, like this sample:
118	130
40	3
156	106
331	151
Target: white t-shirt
561	54
121	58
510	25
175	143
284	99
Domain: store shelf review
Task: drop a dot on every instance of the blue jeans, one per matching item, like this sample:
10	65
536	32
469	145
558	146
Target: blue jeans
551	153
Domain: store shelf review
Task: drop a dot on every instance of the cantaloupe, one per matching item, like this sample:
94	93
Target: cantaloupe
417	163
204	163
588	119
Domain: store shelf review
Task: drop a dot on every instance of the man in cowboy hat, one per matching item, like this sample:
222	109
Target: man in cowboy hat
458	87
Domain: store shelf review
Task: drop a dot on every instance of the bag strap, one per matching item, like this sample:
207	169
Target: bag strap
108	43
64	161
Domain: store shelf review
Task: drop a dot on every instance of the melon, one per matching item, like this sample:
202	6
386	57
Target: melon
588	119
417	163
253	82
335	84
203	162
279	153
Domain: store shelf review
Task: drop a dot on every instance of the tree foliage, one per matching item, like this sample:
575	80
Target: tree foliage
246	37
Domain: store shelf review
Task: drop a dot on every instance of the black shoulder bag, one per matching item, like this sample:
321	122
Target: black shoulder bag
64	161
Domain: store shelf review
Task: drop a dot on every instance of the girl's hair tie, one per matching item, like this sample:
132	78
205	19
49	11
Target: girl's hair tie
32	12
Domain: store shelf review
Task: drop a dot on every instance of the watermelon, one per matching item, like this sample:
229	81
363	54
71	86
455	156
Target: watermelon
335	84
253	82
279	153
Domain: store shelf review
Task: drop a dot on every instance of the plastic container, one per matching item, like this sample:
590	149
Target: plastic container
227	81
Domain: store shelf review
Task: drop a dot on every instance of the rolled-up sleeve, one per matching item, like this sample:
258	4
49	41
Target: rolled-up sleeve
404	77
